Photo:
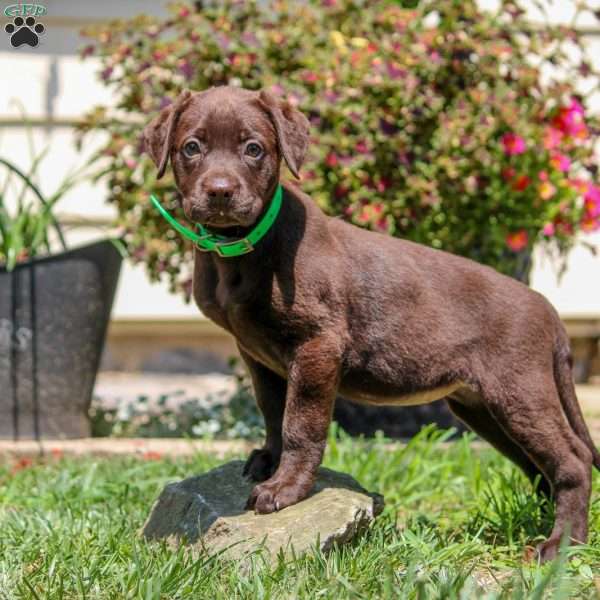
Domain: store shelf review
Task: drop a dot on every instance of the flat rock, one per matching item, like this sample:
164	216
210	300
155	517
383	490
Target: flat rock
207	513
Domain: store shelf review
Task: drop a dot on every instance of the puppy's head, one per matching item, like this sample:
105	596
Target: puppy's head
226	146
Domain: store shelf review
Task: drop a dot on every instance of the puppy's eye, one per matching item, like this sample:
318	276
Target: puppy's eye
253	150
191	148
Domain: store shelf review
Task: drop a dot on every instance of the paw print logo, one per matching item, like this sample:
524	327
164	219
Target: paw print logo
24	31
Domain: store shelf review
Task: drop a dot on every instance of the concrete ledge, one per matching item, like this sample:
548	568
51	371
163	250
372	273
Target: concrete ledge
150	448
147	448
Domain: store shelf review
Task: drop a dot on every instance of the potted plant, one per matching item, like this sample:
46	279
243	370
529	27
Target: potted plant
54	311
446	124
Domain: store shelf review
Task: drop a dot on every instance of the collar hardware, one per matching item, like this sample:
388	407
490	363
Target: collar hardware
225	247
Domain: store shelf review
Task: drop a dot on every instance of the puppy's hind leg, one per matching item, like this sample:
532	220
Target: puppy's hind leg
530	413
478	418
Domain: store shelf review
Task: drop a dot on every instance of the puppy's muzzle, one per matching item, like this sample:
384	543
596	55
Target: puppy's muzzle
220	192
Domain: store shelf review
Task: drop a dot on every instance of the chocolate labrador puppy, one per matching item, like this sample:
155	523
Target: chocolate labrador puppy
320	307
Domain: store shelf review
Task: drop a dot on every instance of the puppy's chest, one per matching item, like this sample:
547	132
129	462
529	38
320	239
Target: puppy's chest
254	311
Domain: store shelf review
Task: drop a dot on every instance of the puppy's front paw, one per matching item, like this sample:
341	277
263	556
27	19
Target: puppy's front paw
273	495
261	465
548	550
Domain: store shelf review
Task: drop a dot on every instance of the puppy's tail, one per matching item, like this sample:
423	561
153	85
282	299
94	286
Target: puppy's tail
563	363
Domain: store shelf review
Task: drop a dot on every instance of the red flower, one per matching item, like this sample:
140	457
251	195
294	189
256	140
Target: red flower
382	185
521	183
340	191
331	160
88	51
508	173
151	455
517	240
21	463
589	224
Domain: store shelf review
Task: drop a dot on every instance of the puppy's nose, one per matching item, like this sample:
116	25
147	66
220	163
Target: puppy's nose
220	189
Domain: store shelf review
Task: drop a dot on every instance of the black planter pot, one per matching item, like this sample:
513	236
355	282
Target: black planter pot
54	314
404	422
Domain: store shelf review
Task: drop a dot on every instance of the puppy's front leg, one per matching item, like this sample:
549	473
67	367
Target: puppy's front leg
270	391
312	385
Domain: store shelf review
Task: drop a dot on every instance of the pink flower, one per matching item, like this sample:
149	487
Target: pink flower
361	146
277	89
331	96
395	71
186	69
543	176
184	12
549	229
517	240
88	51
592	200
106	73
552	138
310	77
546	190
579	184
513	144
560	162
570	121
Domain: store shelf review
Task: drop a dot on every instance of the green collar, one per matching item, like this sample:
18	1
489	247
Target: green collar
224	246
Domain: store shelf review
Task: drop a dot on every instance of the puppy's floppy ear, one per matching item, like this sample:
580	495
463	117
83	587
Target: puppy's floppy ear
292	129
158	134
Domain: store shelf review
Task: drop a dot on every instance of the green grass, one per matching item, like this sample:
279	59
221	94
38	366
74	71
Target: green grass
455	526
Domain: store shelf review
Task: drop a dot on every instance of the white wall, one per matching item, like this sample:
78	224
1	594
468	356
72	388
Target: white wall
50	82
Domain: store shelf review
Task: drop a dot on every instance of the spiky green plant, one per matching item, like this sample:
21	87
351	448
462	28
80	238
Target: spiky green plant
27	215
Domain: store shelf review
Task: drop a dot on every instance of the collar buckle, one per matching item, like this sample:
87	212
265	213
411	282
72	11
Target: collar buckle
245	249
242	246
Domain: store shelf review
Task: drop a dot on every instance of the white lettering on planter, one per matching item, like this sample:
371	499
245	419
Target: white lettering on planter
11	337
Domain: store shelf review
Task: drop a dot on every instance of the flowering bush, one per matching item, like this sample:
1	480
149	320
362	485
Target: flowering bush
224	416
443	124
